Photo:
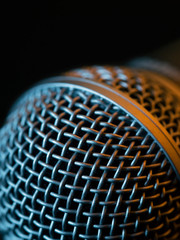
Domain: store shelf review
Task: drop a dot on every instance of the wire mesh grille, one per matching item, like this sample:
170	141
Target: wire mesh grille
75	166
152	95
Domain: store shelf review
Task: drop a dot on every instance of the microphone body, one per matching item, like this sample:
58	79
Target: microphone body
93	154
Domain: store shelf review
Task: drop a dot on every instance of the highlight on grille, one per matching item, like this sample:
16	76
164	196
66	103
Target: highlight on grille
141	86
74	165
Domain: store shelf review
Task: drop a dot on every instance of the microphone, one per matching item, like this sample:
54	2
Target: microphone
93	154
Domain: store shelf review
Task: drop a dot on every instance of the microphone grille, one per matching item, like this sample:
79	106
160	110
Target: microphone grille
74	165
148	89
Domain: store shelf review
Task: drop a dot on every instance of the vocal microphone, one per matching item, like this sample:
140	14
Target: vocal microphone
94	154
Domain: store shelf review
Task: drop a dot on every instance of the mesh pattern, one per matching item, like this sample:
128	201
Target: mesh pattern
75	166
153	96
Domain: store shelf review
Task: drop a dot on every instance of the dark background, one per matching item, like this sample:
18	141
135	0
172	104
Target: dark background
46	39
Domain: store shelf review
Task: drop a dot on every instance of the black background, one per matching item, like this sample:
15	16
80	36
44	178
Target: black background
44	39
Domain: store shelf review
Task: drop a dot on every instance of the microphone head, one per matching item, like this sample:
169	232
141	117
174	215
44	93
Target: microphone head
92	154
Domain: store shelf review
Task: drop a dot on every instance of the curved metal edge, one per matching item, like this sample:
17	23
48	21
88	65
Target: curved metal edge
150	123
